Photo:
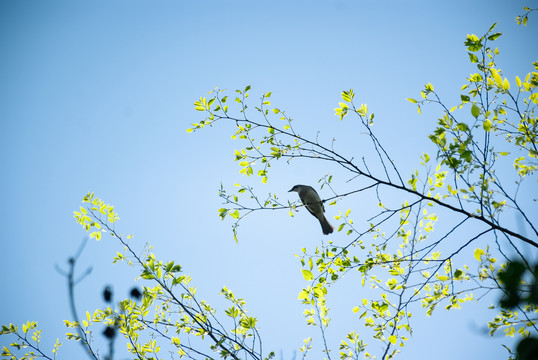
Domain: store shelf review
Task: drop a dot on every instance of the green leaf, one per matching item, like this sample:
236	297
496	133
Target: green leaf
307	275
413	101
176	268
494	36
235	214
348	95
473	43
222	213
475	110
473	58
303	295
487	125
147	275
169	266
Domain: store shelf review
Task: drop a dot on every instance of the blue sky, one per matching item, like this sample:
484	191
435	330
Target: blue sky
96	96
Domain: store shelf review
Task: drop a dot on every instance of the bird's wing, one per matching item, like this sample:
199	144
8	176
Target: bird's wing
307	206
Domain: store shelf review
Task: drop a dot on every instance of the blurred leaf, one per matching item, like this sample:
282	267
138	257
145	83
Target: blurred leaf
473	57
235	214
475	110
307	275
527	349
478	254
494	36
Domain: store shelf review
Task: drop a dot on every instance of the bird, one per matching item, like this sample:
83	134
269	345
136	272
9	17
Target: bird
311	200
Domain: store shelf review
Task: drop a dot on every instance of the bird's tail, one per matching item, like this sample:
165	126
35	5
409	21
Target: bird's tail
326	227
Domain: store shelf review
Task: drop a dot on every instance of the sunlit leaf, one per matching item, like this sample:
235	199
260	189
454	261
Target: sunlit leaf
307	275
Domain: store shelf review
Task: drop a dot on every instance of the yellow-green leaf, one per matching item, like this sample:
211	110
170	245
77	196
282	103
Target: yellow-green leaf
478	254
506	84
307	275
475	110
303	295
235	214
496	77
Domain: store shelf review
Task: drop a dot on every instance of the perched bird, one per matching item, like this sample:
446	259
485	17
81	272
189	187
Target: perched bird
312	202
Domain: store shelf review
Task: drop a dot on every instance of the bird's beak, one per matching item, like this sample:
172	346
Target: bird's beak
290	190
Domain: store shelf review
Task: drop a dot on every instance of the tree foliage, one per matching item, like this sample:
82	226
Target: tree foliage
397	251
440	236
